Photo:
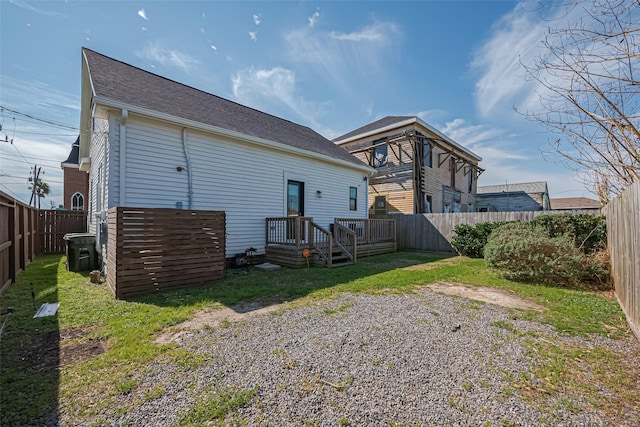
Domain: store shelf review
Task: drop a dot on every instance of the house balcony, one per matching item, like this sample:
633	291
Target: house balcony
298	241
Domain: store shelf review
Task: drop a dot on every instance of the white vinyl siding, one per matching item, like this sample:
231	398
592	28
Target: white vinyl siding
99	171
244	180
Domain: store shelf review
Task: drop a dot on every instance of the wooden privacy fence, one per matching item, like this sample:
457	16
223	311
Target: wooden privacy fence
18	238
623	240
151	250
433	232
53	225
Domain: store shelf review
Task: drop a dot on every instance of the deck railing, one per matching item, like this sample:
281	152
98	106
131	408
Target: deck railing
370	230
346	239
291	231
322	240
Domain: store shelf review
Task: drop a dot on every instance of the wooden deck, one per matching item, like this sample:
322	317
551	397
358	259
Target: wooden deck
298	241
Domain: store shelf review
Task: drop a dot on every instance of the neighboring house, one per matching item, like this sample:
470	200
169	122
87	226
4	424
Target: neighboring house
574	203
148	141
418	169
75	181
522	196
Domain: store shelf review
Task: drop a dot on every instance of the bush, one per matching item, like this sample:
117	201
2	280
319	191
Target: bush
470	241
589	233
526	252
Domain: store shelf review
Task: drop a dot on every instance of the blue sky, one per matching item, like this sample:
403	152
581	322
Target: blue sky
333	66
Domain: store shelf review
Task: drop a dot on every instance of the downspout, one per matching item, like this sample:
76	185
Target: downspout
189	175
123	155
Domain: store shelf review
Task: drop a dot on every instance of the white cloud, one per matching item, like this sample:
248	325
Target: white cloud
515	40
344	59
142	14
253	35
257	19
25	5
377	32
275	88
506	159
314	18
168	57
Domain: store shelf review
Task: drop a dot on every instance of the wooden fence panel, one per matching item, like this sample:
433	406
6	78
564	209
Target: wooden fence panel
433	232
151	250
18	237
623	237
53	225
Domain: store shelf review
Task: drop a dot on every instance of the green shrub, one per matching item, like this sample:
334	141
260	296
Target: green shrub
470	240
589	233
526	252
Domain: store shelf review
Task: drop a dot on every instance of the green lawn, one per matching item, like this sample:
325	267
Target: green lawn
118	335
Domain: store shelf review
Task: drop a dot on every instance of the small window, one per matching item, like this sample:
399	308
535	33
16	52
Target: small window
77	202
353	199
452	171
469	207
469	179
427	203
380	205
380	152
427	149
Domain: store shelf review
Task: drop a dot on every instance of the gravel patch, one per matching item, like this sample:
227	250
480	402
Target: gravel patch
360	360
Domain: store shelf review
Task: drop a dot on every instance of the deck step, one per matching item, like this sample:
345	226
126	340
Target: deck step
341	264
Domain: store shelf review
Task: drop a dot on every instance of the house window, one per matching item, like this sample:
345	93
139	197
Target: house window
379	158
469	207
380	205
77	202
469	179
446	208
427	203
452	170
353	199
427	149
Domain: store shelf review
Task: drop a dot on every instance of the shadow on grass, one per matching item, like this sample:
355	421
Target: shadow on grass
274	287
30	348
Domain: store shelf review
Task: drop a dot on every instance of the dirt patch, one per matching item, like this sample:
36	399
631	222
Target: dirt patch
433	265
213	318
57	349
499	297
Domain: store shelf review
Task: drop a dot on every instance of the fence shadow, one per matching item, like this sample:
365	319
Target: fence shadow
274	287
30	348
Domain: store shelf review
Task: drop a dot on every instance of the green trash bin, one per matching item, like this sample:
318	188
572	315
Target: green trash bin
81	252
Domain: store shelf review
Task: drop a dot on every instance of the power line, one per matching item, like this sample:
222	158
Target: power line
35	158
39	119
11	193
21	177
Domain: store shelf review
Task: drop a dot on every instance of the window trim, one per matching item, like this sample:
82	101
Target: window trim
80	206
353	198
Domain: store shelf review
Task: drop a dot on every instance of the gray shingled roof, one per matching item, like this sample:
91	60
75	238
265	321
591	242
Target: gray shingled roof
378	124
574	203
527	187
73	154
124	83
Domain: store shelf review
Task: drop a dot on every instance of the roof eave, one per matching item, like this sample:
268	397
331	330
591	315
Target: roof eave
407	122
109	103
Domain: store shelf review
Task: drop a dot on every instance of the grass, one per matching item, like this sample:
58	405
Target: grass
33	391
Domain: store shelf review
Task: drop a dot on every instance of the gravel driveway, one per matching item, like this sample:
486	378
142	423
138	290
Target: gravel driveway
361	360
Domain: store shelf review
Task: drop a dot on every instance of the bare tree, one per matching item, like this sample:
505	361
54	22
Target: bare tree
589	91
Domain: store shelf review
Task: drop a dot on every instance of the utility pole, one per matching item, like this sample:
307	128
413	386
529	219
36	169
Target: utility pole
34	183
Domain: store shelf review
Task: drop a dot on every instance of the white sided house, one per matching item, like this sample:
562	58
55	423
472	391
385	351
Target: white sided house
150	142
